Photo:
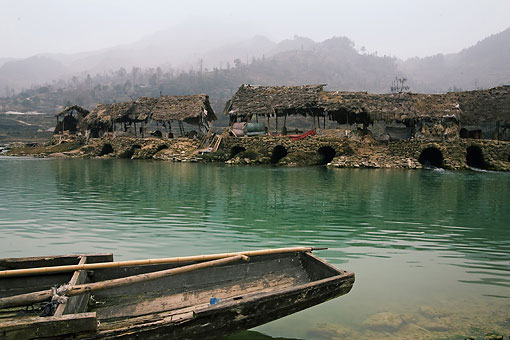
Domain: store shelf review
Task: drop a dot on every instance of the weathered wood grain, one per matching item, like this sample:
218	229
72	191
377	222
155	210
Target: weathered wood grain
214	276
10	286
54	327
75	304
35	297
237	289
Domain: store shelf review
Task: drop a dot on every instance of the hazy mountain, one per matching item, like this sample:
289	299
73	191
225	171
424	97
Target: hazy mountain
296	44
298	60
4	60
245	50
30	71
334	61
483	65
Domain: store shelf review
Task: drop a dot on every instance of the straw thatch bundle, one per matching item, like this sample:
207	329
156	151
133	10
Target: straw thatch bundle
191	109
484	106
73	109
398	107
273	100
104	115
142	109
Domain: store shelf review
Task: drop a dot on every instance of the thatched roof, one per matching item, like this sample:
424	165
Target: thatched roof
270	100
104	115
72	109
400	107
165	108
484	106
184	108
352	107
142	108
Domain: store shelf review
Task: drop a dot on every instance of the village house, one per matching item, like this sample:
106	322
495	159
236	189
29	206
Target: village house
394	116
135	118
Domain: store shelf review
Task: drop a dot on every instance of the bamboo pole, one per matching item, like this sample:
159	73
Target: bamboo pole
41	296
100	265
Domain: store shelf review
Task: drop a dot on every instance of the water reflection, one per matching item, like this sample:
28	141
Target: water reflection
414	238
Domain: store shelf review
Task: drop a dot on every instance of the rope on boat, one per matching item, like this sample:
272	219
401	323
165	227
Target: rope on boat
58	294
57	297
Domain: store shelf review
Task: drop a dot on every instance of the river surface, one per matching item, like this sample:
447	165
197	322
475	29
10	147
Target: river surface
430	249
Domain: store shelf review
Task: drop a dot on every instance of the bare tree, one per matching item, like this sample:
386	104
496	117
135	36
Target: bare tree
399	85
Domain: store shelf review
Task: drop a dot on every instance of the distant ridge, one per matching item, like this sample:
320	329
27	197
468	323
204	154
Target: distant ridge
291	61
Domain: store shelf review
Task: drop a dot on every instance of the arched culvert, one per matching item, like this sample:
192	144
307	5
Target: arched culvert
431	157
474	157
131	151
106	149
327	153
279	152
162	147
236	150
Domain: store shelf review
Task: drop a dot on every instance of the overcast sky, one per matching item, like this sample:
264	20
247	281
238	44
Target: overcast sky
401	28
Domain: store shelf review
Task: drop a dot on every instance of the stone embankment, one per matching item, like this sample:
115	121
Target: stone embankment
319	150
177	150
367	153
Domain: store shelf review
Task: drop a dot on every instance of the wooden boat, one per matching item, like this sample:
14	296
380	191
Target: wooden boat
197	297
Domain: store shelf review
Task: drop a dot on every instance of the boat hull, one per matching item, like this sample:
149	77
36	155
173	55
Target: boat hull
245	295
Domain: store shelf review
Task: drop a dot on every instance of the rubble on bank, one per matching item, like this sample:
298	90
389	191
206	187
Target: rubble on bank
177	150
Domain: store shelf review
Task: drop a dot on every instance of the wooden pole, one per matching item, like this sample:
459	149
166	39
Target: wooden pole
41	296
100	265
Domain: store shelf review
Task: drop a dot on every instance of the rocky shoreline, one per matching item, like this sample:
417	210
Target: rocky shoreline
283	151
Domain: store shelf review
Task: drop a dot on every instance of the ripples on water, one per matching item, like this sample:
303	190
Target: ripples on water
414	238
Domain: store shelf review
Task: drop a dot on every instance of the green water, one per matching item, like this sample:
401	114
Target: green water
431	248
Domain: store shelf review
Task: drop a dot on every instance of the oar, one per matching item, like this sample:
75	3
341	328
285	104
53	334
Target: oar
35	297
198	258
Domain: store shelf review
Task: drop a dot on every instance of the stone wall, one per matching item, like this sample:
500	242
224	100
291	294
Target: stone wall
268	149
495	153
361	153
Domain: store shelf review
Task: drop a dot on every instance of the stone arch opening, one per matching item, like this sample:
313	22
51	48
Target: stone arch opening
157	133
474	157
463	133
94	133
236	150
279	152
106	149
431	157
162	147
131	151
327	153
